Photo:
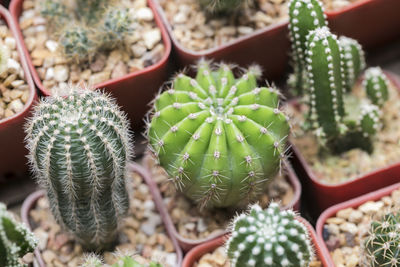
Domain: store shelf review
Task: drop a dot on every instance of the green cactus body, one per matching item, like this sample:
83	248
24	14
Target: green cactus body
55	12
354	60
77	43
376	86
79	147
269	237
305	15
221	6
116	27
382	245
326	82
91	11
4	56
124	261
15	240
221	139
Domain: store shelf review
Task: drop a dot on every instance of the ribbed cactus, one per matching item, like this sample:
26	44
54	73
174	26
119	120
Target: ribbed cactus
269	238
4	56
78	148
354	60
223	6
124	261
15	240
77	43
376	85
305	15
220	138
115	27
382	245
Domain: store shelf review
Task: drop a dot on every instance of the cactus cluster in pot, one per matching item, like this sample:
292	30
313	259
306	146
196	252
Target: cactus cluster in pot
326	70
221	138
79	146
83	28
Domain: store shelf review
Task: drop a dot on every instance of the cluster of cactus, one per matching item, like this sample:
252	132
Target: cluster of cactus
79	146
220	138
124	261
223	6
328	68
15	240
269	238
97	25
382	245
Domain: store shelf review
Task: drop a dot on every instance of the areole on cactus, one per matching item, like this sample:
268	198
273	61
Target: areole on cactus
79	146
220	138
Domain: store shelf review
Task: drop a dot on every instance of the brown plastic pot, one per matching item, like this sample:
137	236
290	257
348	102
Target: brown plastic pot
31	200
353	203
12	158
186	244
372	22
132	91
325	195
196	253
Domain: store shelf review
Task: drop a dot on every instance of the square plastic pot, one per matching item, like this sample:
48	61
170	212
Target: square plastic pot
371	22
196	253
132	91
325	195
30	203
12	156
185	243
353	203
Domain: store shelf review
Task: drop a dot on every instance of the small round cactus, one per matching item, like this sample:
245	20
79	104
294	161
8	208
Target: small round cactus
376	85
115	27
55	12
269	238
77	44
79	147
15	240
221	139
382	245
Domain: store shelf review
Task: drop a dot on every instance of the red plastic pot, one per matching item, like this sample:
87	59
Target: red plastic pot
353	203
31	200
196	253
132	91
372	22
186	244
12	158
325	195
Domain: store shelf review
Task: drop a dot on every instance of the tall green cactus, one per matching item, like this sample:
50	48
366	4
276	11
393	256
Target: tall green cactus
15	240
269	238
382	245
376	86
78	148
220	138
305	15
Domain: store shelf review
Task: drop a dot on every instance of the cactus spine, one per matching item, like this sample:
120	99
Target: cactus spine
269	238
376	86
15	240
305	15
221	139
382	245
78	148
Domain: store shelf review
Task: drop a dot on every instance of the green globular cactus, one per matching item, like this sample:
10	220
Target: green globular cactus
77	44
305	16
382	245
15	240
354	60
223	6
115	27
79	146
221	139
91	11
269	238
4	56
376	86
55	12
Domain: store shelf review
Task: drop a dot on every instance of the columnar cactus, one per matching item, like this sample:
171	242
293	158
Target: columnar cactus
78	148
221	139
222	6
77	43
4	56
382	245
15	240
269	237
376	86
354	60
305	15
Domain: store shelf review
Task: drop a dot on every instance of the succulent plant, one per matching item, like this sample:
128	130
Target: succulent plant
123	261
79	146
223	6
91	11
4	56
269	237
55	12
305	15
354	60
376	86
77	43
382	245
115	27
15	240
220	138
